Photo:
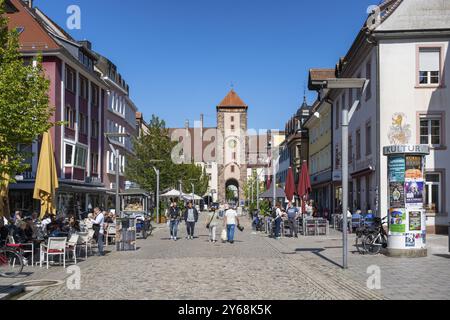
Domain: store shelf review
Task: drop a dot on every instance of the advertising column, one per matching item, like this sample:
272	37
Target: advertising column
407	218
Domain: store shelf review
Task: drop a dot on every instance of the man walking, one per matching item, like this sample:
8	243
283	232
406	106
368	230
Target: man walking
174	218
191	218
292	213
231	220
98	226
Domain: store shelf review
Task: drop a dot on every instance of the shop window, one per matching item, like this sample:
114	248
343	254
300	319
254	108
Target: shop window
69	154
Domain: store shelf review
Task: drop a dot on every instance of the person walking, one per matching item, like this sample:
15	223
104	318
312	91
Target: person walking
98	226
211	224
174	218
191	218
293	214
278	218
231	220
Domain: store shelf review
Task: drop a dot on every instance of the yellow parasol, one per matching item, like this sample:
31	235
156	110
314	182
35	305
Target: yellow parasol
46	178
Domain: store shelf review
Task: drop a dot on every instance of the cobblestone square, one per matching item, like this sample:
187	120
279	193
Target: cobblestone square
255	267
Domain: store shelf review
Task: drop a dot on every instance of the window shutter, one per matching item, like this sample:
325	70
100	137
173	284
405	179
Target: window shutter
429	59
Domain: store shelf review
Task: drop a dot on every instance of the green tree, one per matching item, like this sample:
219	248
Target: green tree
24	105
192	173
155	145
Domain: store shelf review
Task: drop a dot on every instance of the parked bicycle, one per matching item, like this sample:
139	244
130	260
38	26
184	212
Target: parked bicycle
374	241
361	233
11	262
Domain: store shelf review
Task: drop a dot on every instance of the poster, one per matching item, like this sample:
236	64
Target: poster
410	240
415	221
397	220
397	167
413	166
414	193
397	194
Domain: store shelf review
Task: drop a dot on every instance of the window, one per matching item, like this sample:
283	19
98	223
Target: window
433	192
368	139
69	155
359	91
94	163
94	95
369	77
338	111
70	79
83	124
234	156
232	169
80	157
429	66
232	127
232	118
69	117
358	144
94	129
84	88
430	131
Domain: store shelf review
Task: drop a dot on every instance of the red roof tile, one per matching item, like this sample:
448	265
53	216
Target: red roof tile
232	100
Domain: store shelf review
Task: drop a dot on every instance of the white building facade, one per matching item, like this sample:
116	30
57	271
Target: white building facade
407	102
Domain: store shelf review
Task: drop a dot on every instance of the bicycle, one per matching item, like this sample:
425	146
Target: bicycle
374	241
361	233
11	262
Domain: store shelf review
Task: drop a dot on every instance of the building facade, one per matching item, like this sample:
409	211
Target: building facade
404	55
79	95
120	118
320	154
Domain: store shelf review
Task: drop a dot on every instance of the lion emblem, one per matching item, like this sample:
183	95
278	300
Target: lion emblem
400	132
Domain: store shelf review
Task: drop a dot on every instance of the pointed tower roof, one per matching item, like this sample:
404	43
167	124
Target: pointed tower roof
232	100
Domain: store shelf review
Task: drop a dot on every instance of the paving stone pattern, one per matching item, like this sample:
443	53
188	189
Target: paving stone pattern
254	267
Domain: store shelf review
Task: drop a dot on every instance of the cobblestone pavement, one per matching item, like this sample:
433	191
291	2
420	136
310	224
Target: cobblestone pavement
254	267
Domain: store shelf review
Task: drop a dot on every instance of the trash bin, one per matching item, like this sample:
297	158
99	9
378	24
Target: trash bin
126	234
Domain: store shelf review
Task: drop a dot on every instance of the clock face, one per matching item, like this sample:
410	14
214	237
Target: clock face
232	144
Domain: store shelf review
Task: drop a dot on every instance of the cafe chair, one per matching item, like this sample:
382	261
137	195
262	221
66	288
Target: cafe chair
72	246
54	247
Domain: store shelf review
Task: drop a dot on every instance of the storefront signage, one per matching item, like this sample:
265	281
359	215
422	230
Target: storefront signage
406	149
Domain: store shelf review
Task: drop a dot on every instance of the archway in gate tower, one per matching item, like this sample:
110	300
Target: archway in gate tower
232	191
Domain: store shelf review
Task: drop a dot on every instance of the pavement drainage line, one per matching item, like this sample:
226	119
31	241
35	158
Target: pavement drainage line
352	290
318	287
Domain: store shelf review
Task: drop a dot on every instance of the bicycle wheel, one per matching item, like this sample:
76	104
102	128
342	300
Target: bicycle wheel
11	264
360	245
372	244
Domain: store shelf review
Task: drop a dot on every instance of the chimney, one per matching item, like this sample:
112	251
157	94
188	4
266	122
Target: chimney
85	43
29	3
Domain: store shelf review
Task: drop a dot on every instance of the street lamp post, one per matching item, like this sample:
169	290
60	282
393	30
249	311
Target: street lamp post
116	154
157	172
347	114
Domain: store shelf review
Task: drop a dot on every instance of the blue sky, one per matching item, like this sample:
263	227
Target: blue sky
181	56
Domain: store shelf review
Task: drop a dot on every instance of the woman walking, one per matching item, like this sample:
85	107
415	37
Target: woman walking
191	218
211	224
174	218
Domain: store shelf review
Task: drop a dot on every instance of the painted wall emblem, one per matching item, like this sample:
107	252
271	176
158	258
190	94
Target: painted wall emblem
400	131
